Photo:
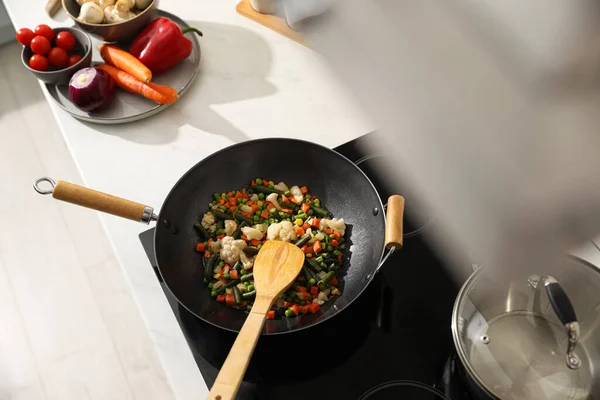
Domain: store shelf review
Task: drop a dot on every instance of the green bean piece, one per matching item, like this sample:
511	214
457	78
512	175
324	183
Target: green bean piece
249	295
217	197
247	277
251	251
243	218
220	232
222	215
223	208
210	265
287	193
228	285
201	230
289	313
323	282
332	260
237	295
319	259
307	273
336	253
220	224
321	212
237	266
266	189
302	241
314	265
238	231
289	206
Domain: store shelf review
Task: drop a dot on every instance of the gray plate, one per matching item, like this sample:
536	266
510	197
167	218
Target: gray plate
128	107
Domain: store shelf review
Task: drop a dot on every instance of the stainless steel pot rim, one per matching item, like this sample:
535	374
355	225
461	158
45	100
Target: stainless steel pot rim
465	289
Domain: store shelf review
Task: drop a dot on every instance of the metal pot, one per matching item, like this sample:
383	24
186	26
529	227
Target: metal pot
531	336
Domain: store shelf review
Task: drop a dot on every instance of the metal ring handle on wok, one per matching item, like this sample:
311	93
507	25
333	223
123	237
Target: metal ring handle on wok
342	186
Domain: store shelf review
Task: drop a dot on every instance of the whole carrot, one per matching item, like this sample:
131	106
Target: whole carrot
123	60
162	95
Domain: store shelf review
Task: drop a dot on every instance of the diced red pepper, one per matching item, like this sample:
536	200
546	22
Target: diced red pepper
244	237
314	307
271	315
335	243
317	248
295	309
306	226
315	222
230	299
221	298
314	291
233	274
303	190
333	281
306	249
300	289
255	242
207	254
305	207
339	257
264	215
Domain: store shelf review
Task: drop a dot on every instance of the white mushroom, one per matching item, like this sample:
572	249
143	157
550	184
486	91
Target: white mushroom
125	5
82	2
113	15
105	3
91	13
142	4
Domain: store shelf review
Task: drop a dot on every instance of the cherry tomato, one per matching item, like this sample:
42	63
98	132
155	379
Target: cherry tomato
45	31
57	57
74	59
65	40
38	62
40	45
24	36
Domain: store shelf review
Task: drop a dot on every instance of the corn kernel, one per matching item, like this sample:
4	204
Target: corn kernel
260	203
217	276
317	201
309	255
299	222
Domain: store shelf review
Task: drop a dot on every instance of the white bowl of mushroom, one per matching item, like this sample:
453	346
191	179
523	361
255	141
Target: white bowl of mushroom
111	20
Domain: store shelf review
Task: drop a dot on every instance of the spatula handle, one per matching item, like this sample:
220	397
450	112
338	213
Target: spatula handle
394	232
231	374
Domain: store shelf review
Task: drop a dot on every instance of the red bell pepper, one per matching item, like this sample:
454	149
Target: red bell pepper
161	45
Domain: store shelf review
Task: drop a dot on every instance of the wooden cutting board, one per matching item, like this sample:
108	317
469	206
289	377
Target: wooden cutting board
271	21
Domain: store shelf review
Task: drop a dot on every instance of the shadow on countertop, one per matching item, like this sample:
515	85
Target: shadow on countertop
233	66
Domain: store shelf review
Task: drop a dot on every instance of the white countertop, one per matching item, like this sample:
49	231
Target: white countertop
253	83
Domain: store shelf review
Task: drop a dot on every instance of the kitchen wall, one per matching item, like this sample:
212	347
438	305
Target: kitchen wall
7	32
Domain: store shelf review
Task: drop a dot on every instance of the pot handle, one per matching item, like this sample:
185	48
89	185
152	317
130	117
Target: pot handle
394	218
89	198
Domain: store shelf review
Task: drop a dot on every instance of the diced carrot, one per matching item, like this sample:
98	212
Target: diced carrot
230	194
317	248
221	202
249	202
286	210
232	209
335	243
304	309
295	309
252	183
254	207
221	298
233	274
270	205
333	281
200	247
264	215
300	289
336	235
220	236
210	240
329	231
305	207
315	222
284	198
307	249
247	214
239	195
255	242
287	304
303	190
230	299
314	307
207	254
306	226
303	295
314	290
270	314
339	257
244	237
299	231
232	202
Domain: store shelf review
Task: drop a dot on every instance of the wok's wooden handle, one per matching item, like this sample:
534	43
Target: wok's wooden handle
103	202
231	374
52	6
394	218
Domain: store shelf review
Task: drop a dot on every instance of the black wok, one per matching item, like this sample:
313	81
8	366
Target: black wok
342	187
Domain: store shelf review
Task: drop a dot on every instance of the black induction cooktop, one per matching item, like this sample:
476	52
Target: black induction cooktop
391	343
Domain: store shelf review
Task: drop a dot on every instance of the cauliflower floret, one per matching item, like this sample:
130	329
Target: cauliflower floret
316	236
209	222
273	199
247	262
254	197
261	227
246	208
242	288
252	233
337	225
215	246
297	193
282	231
230	227
281	186
231	249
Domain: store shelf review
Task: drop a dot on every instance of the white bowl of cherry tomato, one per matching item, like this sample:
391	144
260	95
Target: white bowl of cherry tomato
54	55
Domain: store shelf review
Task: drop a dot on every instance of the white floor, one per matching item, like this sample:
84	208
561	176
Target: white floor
69	328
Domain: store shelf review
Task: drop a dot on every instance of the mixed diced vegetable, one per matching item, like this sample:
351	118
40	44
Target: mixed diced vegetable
239	222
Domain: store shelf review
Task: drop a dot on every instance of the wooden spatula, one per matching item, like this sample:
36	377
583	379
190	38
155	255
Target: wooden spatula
276	267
